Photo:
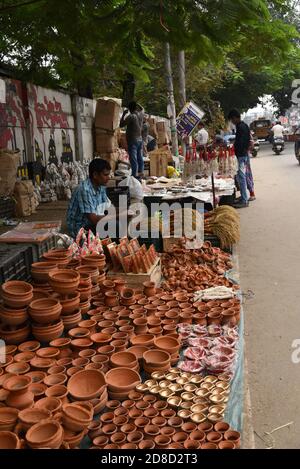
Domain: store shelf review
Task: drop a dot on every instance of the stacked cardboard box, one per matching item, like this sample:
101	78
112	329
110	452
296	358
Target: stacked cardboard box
159	162
162	133
107	120
9	162
152	127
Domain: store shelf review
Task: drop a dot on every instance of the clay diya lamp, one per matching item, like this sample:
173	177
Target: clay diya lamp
100	441
106	350
76	418
189	427
209	446
143	339
191	444
119	285
168	344
18	368
161	405
214	437
120	336
16	294
152	431
78	332
8	418
122	379
86	385
162	441
81	344
19	395
197	435
206	427
69	303
140	325
59	378
126	359
36	376
135	437
45	434
147	444
221	427
234	437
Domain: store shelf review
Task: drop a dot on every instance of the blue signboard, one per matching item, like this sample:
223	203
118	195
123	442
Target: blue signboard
188	119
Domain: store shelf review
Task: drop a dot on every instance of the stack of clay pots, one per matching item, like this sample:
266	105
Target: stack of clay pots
45	314
16	296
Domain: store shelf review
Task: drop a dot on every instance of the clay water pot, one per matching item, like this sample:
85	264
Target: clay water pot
13	317
16	294
45	434
9	440
19	395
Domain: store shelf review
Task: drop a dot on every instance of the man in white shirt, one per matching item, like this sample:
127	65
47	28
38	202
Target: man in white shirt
278	130
202	135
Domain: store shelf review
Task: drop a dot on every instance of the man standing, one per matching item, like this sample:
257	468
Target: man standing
241	147
134	126
202	136
89	200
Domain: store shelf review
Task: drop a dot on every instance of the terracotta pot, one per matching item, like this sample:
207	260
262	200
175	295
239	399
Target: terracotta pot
36	376
94	260
191	444
152	431
59	378
64	281
206	427
122	379
127	296
156	359
13	317
14	335
8	418
86	384
46	434
214	437
106	350
180	437
46	333
38	390
87	353
78	332
69	304
53	404
19	395
143	339
226	445
234	437
189	427
81	344
16	294
135	437
40	270
147	444
58	390
48	352
111	298
9	440
149	288
72	320
18	368
29	417
209	446
138	351
221	427
161	405
119	345
197	435
75	418
72	439
101	441
168	344
162	441
126	359
228	317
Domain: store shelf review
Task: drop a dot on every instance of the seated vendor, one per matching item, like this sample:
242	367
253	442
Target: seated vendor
89	200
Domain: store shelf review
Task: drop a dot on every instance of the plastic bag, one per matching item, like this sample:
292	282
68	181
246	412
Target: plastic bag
135	187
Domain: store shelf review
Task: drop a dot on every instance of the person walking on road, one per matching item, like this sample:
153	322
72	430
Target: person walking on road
241	147
134	126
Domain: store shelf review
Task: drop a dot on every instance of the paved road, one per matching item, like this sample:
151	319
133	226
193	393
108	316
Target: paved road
269	256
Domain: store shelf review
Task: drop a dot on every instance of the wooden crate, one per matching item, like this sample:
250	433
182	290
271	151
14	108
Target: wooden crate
136	280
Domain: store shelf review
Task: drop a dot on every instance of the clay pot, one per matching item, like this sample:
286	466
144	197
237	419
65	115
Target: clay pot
64	281
19	395
76	418
209	446
69	304
234	437
81	344
214	437
109	429
48	352
18	368
138	351
191	444
14	334
101	339
122	379
111	298
8	418
79	332
226	445
71	320
197	435
100	441
62	345
162	441
147	444
140	325
126	359
53	404
149	288
127	297
86	384
40	271
46	434
189	427
205	427
38	390
135	437
13	317
46	333
180	437
156	359
152	431
229	317
9	440
167	343
118	345
59	378
36	376
29	417
106	350
221	427
16	294
143	339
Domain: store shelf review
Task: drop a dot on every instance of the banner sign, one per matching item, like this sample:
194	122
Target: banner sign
188	118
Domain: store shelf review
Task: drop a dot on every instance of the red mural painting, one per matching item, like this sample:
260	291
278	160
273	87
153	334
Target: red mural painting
49	113
11	115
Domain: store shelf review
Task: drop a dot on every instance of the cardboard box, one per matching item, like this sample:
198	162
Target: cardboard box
106	142
23	188
123	140
161	126
107	114
158	163
112	158
9	162
162	138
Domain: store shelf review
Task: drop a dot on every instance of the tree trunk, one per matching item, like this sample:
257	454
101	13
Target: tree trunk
181	74
182	88
171	100
128	89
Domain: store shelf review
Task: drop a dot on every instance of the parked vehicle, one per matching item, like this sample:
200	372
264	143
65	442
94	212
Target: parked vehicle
261	128
278	145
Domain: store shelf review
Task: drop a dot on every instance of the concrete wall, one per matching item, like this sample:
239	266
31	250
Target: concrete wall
44	124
